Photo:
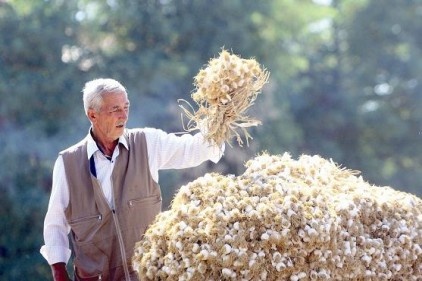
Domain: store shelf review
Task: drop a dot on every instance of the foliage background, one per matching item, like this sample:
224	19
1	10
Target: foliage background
345	84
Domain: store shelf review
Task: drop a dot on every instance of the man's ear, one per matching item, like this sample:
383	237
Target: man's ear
92	115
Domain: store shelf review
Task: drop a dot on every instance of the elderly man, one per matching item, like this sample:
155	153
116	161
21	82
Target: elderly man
105	188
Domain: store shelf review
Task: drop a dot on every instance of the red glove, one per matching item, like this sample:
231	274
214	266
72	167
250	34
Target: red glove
59	272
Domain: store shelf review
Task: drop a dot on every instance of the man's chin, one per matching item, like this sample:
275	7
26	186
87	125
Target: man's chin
119	132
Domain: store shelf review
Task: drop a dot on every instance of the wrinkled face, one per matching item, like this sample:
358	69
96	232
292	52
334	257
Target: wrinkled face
110	121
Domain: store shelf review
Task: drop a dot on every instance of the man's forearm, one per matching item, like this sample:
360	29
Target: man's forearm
59	272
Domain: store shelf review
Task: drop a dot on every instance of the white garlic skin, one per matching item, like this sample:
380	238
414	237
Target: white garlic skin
285	220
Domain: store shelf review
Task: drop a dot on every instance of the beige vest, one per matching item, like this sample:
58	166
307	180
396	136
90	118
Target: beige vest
103	239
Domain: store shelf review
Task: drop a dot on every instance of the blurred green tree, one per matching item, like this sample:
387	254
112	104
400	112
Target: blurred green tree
35	83
384	51
37	90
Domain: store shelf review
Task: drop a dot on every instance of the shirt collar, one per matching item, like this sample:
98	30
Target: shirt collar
92	145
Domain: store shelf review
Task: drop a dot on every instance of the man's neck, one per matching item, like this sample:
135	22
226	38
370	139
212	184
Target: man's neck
106	147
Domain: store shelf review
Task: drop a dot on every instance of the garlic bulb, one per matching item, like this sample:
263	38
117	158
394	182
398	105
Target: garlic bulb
285	219
224	91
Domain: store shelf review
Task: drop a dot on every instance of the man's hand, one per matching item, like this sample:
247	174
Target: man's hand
59	272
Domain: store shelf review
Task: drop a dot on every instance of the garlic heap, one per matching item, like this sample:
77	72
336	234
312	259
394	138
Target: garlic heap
225	89
285	219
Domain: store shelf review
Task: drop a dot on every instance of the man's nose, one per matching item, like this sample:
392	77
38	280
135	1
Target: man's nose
124	114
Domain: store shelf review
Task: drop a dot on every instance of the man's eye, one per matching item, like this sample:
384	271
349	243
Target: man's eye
115	110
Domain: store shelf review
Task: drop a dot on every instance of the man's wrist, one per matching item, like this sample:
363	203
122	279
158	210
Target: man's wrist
59	272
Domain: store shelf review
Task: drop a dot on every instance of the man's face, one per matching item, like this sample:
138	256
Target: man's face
110	121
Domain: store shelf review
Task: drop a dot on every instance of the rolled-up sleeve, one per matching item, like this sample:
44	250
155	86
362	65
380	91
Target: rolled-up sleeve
56	229
171	151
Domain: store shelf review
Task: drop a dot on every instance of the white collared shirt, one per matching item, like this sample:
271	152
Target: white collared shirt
165	151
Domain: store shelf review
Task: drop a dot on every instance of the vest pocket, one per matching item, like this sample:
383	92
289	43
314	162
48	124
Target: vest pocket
83	219
94	278
144	200
141	213
84	228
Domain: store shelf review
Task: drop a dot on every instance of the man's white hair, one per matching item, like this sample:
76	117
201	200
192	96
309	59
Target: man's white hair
94	90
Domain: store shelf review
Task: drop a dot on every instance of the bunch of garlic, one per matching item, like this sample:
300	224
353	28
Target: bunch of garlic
224	76
224	90
285	219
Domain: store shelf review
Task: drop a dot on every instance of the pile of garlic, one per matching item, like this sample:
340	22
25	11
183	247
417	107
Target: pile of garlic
224	90
285	219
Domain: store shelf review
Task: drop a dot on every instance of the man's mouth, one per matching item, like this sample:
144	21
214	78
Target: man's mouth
120	125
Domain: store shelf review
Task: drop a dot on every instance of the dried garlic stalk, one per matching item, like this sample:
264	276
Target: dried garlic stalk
285	220
225	89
